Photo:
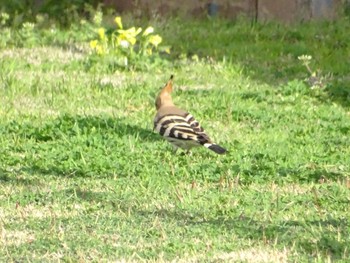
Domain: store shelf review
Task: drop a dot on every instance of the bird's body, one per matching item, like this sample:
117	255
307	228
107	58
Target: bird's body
178	126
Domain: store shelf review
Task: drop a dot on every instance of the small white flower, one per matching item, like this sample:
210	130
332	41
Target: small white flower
28	26
124	43
305	57
148	30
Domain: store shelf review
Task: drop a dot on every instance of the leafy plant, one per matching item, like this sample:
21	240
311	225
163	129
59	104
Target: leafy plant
4	17
6	33
43	30
132	44
84	178
21	11
315	80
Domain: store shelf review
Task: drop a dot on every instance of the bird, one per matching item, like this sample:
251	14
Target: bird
178	126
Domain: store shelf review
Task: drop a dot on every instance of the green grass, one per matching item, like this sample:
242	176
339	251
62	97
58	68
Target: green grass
84	178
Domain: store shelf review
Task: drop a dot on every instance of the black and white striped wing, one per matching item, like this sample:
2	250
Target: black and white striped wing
196	127
181	127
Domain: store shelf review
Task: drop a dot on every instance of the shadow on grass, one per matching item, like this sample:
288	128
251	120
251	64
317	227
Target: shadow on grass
13	178
67	125
268	52
55	147
316	174
99	147
310	237
339	92
285	233
326	237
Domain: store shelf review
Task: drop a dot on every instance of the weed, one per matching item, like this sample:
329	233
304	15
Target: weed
84	178
126	45
315	80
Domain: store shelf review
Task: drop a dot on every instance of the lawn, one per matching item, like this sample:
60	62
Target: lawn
84	178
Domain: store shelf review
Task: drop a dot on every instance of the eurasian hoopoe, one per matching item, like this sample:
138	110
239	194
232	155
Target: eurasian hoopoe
178	126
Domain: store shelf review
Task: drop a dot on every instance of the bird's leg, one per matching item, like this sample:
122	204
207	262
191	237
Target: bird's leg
188	152
175	148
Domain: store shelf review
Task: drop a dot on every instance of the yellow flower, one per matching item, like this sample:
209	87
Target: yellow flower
125	40
148	30
102	33
132	31
129	34
167	50
155	40
93	44
118	21
100	50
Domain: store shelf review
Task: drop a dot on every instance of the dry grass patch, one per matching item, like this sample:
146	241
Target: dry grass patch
254	255
15	238
37	55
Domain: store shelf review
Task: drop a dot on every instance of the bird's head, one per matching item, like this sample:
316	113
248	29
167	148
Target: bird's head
164	97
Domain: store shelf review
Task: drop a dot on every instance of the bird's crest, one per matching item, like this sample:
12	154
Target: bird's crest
178	126
164	97
168	86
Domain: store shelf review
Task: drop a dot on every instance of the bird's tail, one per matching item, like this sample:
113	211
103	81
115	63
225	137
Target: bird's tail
215	148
